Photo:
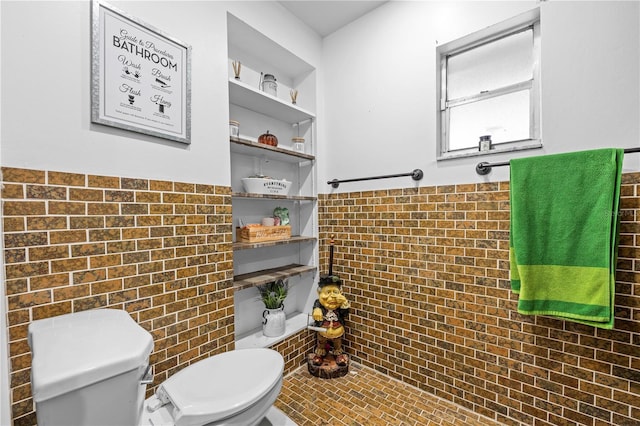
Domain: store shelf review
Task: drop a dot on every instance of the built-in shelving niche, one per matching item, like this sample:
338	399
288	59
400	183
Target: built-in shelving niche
295	259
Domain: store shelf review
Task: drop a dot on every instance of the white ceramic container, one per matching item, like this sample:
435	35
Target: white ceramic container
266	186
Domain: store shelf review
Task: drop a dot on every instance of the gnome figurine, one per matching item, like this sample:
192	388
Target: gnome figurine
329	312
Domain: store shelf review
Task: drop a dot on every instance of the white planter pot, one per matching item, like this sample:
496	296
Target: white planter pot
273	322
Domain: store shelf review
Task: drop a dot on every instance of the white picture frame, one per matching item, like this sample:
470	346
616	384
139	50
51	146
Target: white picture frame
140	76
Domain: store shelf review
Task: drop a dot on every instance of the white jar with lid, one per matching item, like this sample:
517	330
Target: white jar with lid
234	129
298	144
269	85
485	143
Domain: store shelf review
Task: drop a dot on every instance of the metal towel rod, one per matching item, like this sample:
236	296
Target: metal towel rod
416	174
485	168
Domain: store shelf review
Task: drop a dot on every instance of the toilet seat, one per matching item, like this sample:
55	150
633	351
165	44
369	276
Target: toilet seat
220	386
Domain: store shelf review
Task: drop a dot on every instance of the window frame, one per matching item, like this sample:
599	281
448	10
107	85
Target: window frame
519	23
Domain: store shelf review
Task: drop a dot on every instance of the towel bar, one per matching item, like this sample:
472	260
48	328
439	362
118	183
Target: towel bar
484	168
416	174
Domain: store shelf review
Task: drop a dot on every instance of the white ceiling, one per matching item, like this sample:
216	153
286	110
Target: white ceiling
325	17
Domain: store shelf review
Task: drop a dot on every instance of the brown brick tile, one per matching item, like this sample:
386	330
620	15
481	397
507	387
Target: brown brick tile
184	187
103	261
68	265
121	271
87	303
13	224
66	208
48	253
149	220
24	208
16	286
66	179
11	191
48	281
134	209
46	223
88	249
173	198
121	246
43	192
10	174
159	185
109	286
119	196
86	194
137	280
26	239
127	183
86	222
104	235
133	233
148	197
29	300
110	182
31	269
89	276
51	310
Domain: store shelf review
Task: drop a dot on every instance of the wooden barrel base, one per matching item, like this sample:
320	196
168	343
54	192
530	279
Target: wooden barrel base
328	369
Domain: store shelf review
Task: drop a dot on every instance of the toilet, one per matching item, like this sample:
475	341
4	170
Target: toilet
92	368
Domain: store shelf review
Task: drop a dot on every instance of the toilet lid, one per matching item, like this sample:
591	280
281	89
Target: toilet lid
222	385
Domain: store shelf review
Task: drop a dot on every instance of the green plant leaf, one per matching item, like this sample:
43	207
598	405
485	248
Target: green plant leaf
273	293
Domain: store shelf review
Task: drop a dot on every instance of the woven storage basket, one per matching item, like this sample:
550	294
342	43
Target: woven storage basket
256	234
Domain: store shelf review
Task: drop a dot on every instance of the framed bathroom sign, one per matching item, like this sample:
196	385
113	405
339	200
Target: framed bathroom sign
140	76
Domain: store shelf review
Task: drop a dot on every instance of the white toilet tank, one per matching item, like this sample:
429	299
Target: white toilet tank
89	368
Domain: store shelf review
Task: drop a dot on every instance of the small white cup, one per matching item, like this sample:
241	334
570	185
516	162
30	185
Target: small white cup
234	129
268	221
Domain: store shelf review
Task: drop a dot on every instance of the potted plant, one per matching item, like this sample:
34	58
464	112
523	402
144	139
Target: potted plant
273	317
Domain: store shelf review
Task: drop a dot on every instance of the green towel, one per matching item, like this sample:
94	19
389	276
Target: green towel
564	234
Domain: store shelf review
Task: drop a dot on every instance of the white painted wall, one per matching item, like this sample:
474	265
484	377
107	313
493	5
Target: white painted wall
380	106
5	405
46	80
45	97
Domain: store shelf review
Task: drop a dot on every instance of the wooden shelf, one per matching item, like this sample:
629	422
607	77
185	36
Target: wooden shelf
264	276
272	197
251	98
294	239
247	147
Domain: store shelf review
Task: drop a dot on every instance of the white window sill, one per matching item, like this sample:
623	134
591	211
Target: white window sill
534	144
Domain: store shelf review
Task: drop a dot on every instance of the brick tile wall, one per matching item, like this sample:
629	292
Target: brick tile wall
427	273
295	348
160	250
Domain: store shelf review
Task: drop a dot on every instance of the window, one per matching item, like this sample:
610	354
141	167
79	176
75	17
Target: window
489	85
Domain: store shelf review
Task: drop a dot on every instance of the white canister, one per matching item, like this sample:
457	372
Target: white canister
274	322
269	84
297	144
234	129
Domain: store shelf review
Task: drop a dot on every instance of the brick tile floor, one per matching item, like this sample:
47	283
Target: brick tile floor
366	397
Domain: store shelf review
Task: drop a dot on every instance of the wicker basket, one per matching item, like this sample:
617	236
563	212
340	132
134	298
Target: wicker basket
257	234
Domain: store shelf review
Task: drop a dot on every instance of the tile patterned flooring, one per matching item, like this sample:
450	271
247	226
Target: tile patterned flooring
366	397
